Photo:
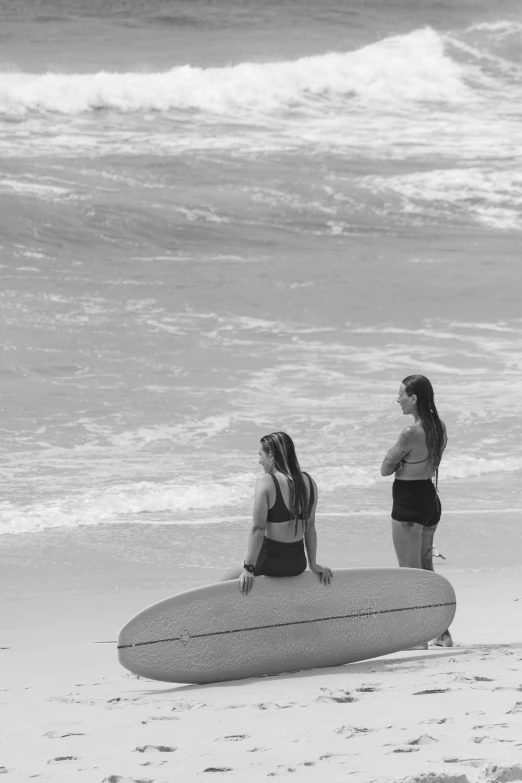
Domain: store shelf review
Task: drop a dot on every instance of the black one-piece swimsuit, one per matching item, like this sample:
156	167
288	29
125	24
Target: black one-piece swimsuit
278	558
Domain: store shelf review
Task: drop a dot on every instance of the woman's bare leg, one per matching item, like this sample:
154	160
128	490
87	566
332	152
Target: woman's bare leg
407	540
428	533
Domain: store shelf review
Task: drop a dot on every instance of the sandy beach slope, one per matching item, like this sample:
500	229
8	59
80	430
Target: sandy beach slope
71	713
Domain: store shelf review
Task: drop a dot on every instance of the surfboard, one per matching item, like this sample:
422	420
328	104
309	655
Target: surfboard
216	633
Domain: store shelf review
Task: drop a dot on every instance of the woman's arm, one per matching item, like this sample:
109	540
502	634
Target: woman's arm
396	454
257	531
311	544
310	537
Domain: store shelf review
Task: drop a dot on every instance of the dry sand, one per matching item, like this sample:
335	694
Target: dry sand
71	713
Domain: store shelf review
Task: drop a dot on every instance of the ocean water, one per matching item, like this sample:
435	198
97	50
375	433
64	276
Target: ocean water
221	219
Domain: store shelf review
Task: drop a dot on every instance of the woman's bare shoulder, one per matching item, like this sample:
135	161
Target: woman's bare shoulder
263	481
409	432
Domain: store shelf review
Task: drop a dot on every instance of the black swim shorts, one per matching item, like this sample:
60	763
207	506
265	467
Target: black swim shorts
279	559
416	501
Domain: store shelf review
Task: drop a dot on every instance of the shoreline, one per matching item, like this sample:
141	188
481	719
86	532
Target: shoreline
123	557
76	714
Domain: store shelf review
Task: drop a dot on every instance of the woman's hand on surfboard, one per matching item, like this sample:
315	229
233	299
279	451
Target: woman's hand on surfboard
246	581
325	574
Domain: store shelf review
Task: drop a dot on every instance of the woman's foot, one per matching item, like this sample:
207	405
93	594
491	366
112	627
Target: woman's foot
444	640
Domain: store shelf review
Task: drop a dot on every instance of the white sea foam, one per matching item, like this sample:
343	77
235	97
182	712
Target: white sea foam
501	27
419	93
203	503
333	390
468	466
380	72
185	432
491	196
36	190
500	326
331	478
138	501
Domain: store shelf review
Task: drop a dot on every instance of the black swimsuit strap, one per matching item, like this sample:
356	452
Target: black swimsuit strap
279	494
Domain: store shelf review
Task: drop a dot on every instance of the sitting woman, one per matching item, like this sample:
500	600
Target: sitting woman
284	518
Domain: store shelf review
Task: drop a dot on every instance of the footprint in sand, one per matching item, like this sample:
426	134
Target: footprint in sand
474	678
272	705
366	689
180	706
155	749
59	759
218	769
435	777
328	756
516	709
491	726
350	731
280	771
405	749
437	720
3	770
119	779
432	690
339	696
478	740
160	717
425	739
232	738
61	734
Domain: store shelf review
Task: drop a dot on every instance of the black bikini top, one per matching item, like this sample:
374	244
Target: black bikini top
279	511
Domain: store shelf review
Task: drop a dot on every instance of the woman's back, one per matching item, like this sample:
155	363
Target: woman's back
417	465
280	525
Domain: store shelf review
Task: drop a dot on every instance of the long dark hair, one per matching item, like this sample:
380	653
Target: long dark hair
282	448
428	415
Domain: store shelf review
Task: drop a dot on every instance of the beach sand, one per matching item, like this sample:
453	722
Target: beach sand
74	714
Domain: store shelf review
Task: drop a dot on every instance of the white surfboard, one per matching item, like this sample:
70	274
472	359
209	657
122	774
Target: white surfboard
215	633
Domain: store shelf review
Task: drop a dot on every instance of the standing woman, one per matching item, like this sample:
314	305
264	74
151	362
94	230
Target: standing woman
415	460
284	518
